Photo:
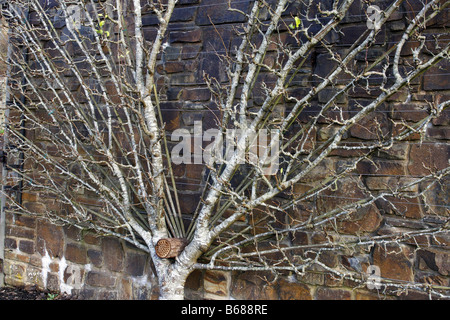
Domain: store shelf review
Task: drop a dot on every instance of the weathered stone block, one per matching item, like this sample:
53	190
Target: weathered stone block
440	133
149	20
212	66
214	13
312	278
10	243
174	93
76	253
53	283
427	158
19	232
436	260
354	13
188	1
371	127
324	169
193	286
50	238
107	295
135	264
294	291
183	14
72	232
299	238
198	94
173	66
326	95
250	286
172	53
444	118
216	284
407	207
381	167
26	246
95	257
409	112
170	112
100	279
364	220
182	79
394	262
437	77
14	271
391	183
190	51
189	202
368	296
324	65
113	254
127	289
399	96
395	152
350	34
91	238
194	171
344	192
332	294
185	36
112	93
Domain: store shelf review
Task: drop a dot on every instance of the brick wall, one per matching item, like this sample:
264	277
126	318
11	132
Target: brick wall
72	260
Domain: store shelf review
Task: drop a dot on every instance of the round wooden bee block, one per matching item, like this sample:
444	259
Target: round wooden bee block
170	247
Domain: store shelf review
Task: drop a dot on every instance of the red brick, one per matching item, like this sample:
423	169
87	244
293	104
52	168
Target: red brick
24	221
19	232
26	246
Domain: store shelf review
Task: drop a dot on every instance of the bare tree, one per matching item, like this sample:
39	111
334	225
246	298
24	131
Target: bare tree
86	115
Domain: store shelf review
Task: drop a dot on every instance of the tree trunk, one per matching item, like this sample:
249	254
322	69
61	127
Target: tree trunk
171	283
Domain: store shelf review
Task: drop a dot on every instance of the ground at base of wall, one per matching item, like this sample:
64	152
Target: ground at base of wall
31	293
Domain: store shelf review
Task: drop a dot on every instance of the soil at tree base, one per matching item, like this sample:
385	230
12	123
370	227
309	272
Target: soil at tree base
31	293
